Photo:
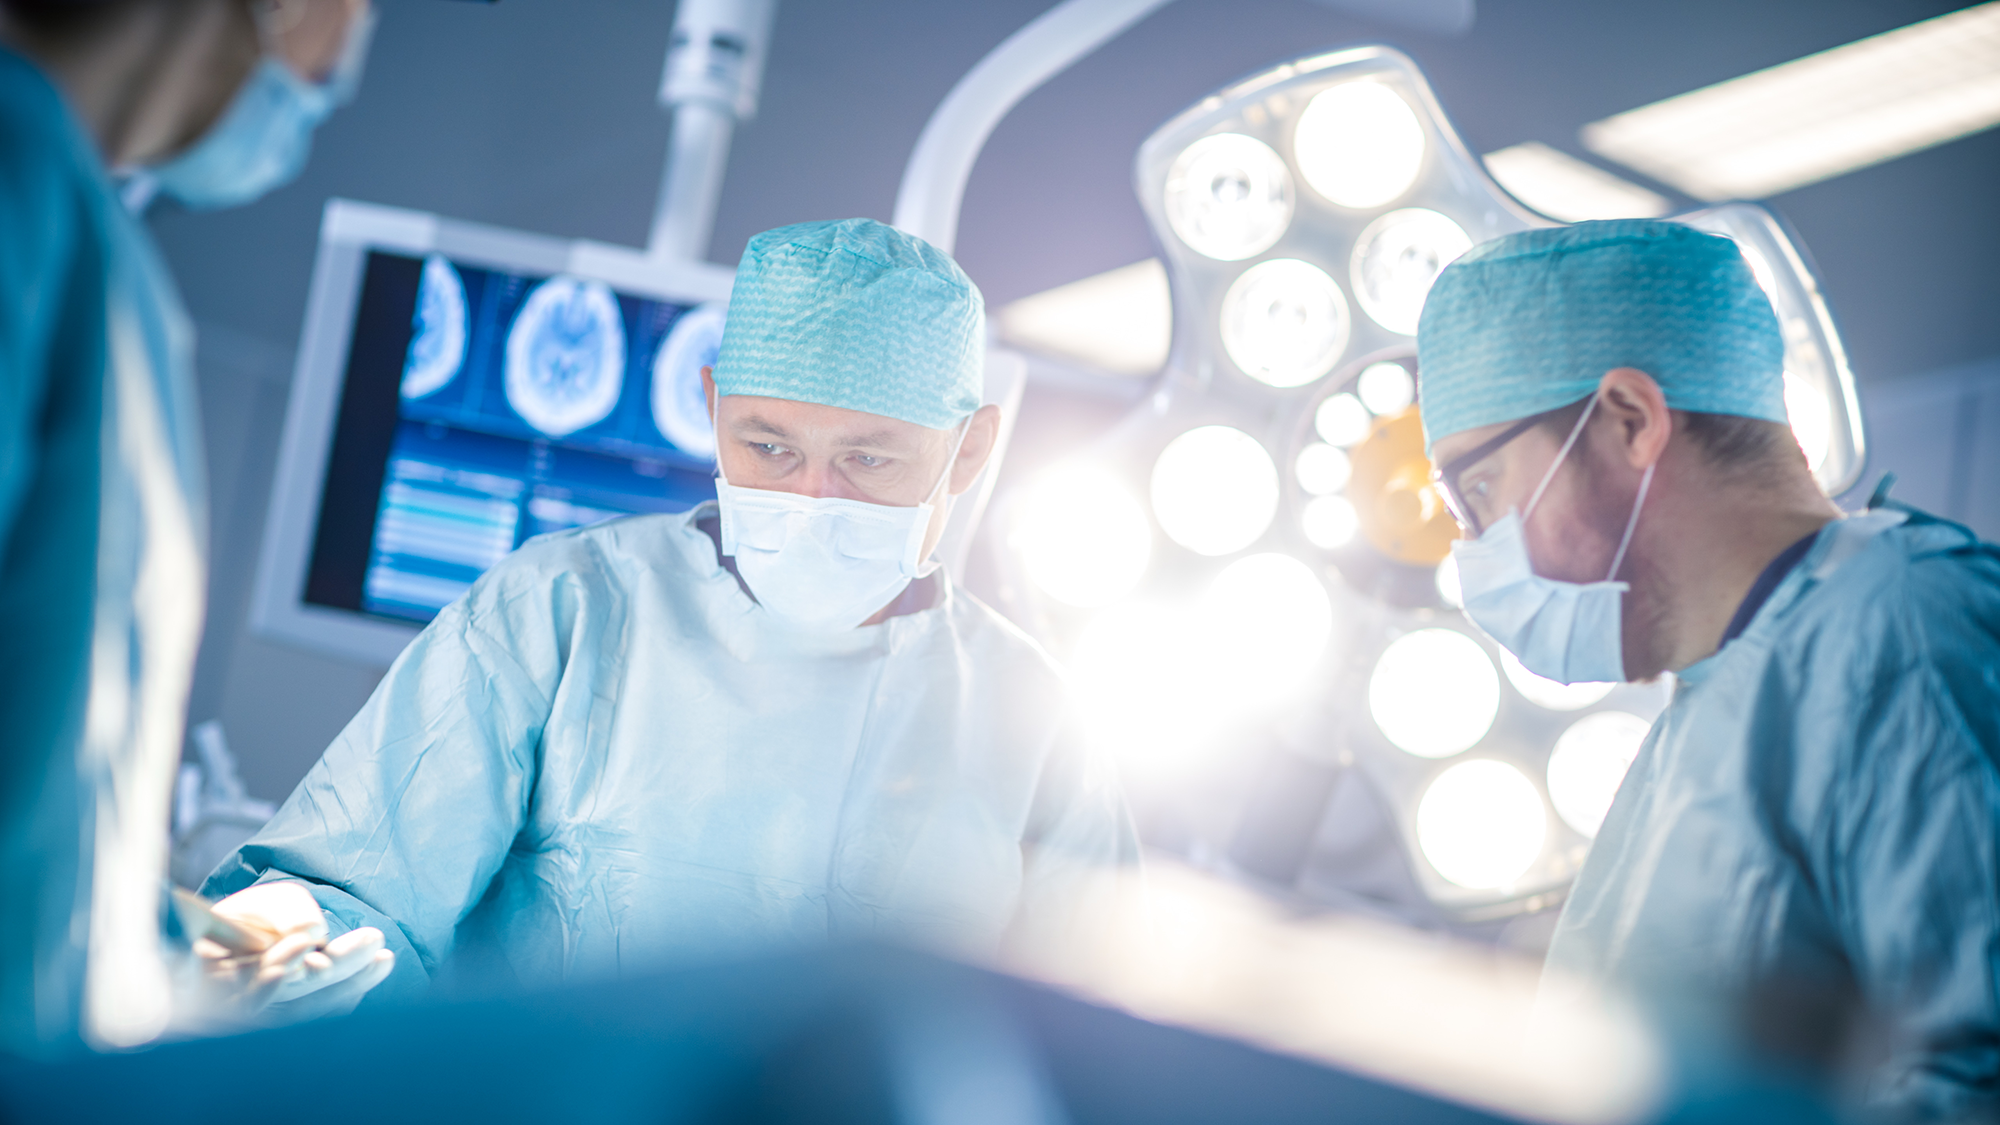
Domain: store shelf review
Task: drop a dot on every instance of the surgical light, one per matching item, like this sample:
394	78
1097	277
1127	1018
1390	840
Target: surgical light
1266	620
1434	693
1330	521
1214	490
1359	144
1342	420
1481	824
1229	197
1137	681
1589	763
1450	590
1322	469
1812	423
1083	537
1549	694
1284	322
1386	388
1395	261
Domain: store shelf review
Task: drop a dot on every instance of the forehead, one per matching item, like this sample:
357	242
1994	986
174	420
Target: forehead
818	422
1448	449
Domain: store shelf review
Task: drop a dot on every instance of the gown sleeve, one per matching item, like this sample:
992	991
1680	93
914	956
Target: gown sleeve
1916	848
412	809
1081	852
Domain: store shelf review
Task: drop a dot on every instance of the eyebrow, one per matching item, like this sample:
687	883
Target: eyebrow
886	440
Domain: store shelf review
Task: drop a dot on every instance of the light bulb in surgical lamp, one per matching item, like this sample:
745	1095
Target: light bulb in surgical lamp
1359	144
1549	694
1386	388
1589	763
1434	693
1481	824
1342	420
1330	522
1083	537
1322	469
1395	261
1451	591
1811	419
1214	490
1284	322
1229	196
1266	620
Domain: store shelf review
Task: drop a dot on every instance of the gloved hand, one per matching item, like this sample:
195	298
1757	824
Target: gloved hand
286	954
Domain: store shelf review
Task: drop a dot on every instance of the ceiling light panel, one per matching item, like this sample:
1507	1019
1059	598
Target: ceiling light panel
1820	116
1563	187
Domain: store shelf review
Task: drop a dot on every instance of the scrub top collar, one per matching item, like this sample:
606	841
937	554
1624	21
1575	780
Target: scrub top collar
1825	550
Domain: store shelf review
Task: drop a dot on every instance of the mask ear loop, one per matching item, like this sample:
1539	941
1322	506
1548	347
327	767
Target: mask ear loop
1562	454
1632	524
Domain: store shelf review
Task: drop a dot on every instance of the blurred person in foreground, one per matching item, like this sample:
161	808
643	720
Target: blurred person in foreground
1819	806
770	721
102	511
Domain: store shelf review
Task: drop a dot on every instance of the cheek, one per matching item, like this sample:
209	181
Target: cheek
1566	538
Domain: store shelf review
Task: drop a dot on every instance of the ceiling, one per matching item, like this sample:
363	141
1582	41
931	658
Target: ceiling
539	114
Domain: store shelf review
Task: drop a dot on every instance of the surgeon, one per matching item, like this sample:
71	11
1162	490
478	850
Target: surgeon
1819	806
102	513
770	721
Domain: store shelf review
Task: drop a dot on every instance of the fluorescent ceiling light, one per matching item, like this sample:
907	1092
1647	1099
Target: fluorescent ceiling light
1563	187
1120	322
1820	116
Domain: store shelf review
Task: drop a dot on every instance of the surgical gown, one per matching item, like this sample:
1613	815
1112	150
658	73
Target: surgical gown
1820	806
101	583
607	756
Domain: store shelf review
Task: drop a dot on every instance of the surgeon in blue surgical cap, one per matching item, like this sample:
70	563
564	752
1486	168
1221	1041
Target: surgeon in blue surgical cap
1819	806
767	722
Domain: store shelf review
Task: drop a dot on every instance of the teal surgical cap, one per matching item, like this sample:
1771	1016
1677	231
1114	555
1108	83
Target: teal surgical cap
1532	321
855	314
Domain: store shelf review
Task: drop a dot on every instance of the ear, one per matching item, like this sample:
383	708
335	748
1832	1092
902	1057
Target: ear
982	433
1632	404
708	392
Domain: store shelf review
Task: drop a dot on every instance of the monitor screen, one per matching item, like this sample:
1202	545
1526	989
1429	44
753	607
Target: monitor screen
481	407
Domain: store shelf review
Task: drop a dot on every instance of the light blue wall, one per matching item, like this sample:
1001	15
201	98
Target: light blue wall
1940	435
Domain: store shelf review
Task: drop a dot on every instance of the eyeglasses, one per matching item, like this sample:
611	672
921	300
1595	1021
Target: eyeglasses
1446	477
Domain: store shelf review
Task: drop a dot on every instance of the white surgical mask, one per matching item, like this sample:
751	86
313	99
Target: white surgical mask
1570	632
825	564
261	141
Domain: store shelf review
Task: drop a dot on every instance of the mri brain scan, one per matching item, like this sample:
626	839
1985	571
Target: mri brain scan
565	356
680	408
437	343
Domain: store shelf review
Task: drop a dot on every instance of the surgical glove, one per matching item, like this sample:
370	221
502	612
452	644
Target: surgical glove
287	954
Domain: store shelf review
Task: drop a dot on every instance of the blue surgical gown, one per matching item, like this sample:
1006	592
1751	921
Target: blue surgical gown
607	756
101	582
1820	805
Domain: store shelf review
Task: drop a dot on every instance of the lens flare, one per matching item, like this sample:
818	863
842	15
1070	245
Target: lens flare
1330	522
1265	621
1342	420
1322	469
1083	537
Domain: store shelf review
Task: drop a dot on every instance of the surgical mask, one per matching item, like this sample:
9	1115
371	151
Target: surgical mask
825	564
262	139
1570	632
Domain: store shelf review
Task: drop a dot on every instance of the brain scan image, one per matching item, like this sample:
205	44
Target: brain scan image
680	407
565	356
437	343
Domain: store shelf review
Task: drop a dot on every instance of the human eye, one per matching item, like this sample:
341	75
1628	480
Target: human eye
768	449
870	461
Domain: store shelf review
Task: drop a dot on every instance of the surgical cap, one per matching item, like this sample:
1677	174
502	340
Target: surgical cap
1531	322
855	314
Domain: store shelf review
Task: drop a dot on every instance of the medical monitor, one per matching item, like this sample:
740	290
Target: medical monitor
460	389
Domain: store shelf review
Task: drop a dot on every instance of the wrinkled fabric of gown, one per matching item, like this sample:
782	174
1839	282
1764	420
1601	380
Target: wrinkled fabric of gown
1820	806
101	584
606	756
